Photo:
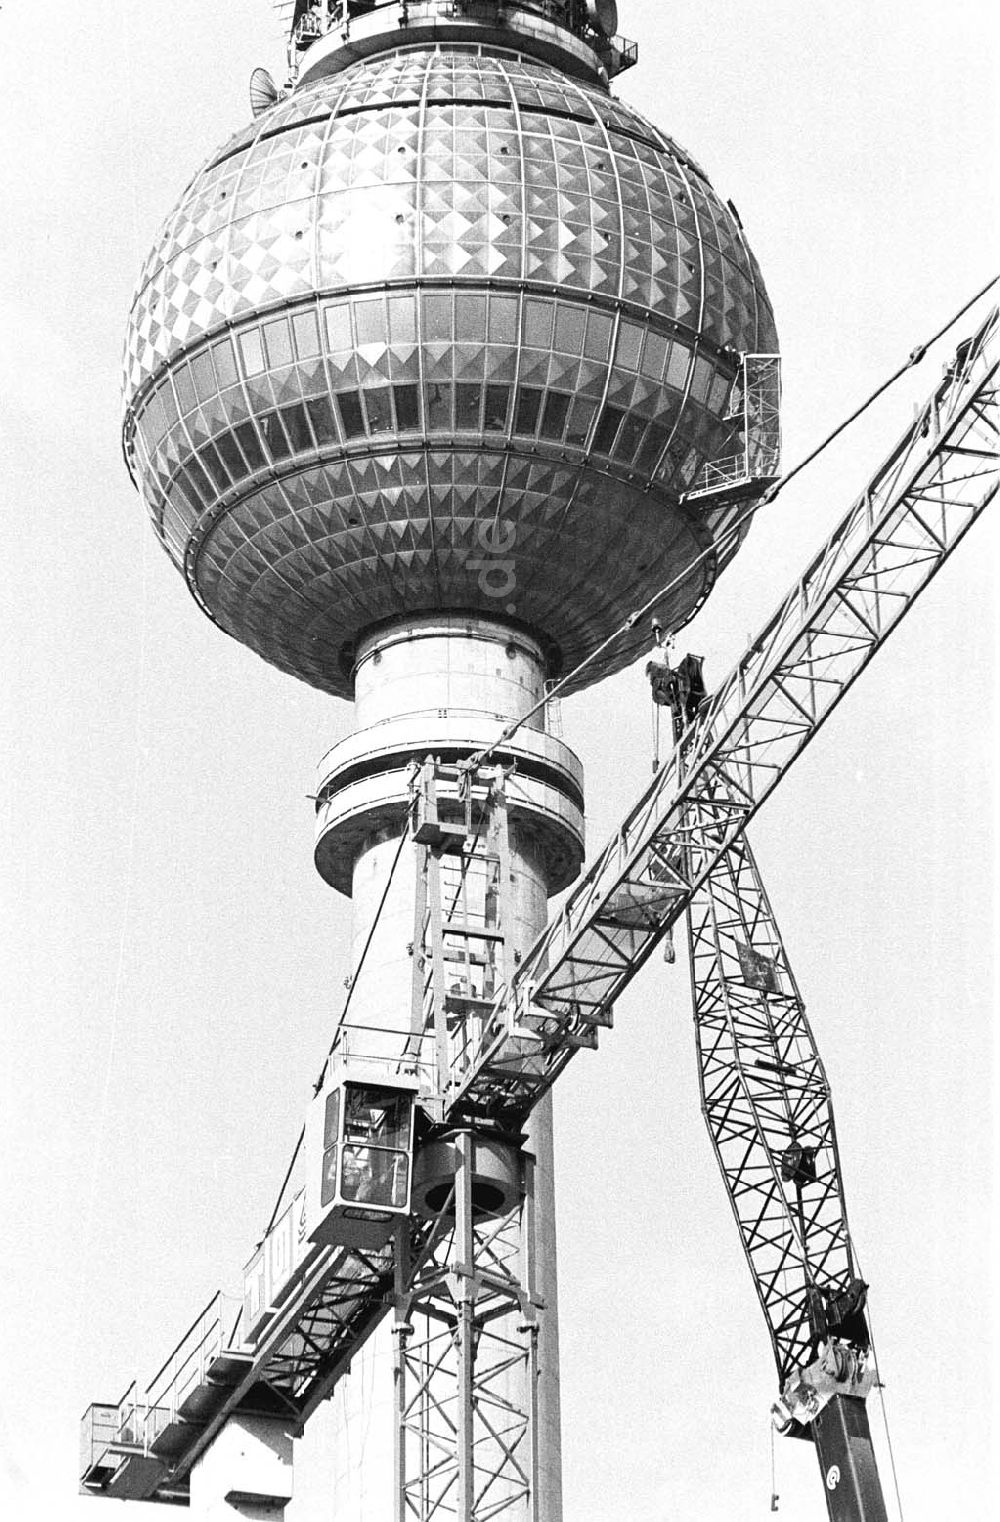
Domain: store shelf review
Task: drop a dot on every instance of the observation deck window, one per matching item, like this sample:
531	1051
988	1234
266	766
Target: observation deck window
212	462
438	405
503	320
369	322
278	341
203	375
468	400
321	417
538	324
554	416
632	431
701	380
607	428
529	400
403	319
184	385
581	417
407	400
678	366
651	448
378	405
275	436
306	334
629	345
654	356
252	352
352	421
598	341
250	444
571	324
232	458
470	318
497	407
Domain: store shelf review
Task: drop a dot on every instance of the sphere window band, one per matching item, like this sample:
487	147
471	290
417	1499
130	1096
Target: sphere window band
296	428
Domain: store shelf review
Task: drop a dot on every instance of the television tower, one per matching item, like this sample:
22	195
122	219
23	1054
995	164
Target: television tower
439	369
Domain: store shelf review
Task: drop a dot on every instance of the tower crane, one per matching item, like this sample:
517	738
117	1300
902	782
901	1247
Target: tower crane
433	1248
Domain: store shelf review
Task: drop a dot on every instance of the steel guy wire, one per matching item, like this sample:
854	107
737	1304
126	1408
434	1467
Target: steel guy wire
347	1004
767	497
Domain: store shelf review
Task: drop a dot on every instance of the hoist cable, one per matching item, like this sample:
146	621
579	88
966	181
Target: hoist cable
774	1473
881	1395
284	1183
365	948
914	358
765	499
343	1013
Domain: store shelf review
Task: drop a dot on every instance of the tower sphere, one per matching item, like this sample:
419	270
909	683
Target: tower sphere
448	328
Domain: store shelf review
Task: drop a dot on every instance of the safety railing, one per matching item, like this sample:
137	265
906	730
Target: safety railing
208	1337
626	53
105	1427
753	448
313	24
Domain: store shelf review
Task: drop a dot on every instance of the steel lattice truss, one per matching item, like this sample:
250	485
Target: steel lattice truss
324	1333
432	1379
293	1367
465	1374
942	474
764	1095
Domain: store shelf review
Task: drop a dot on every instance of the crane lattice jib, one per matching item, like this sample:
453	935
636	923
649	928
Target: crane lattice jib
943	473
767	1106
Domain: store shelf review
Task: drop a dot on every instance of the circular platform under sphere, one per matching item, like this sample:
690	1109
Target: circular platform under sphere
440	331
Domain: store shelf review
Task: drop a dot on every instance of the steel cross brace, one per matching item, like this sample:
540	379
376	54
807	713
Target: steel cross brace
764	1094
465	1365
767	1107
942	474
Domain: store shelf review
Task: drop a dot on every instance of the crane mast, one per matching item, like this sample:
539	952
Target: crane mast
682	849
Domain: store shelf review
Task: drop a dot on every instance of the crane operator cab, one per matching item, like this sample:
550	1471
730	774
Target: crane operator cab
359	1154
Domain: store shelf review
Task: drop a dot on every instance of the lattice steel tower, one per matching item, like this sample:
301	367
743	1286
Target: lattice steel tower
439	368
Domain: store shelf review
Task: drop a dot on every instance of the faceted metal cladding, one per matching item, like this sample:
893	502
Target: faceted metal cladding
444	330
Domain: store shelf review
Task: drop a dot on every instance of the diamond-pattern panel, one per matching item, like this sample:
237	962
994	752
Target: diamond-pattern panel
448	181
303	150
336	576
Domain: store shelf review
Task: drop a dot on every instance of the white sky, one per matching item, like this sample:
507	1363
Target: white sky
172	962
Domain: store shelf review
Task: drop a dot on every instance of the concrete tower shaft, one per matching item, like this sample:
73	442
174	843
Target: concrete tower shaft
442	686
